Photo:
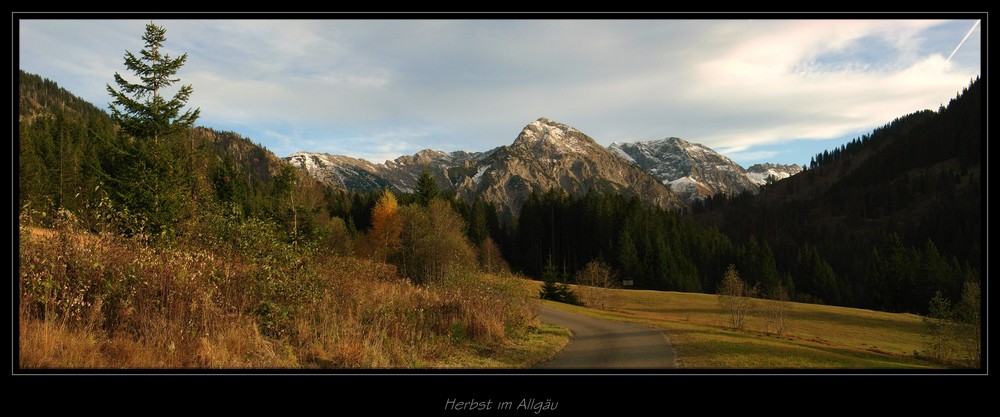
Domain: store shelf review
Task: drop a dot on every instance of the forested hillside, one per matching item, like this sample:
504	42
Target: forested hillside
72	158
889	218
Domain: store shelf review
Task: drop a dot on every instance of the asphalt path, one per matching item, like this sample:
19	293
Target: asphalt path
599	343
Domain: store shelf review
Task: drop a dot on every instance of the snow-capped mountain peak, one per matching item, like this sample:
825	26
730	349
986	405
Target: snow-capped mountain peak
545	133
759	173
693	171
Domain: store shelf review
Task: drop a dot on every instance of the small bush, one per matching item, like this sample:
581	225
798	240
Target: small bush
559	292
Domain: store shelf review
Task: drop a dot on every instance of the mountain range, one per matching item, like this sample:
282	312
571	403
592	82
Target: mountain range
668	173
694	171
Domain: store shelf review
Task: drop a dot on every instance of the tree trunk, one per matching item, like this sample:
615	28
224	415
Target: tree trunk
295	220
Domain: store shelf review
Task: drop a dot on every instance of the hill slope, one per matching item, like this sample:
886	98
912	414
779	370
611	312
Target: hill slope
70	154
892	216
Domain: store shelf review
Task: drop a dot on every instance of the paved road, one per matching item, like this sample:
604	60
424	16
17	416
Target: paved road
599	343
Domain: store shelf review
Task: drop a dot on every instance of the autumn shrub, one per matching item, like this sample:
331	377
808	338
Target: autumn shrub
434	245
239	297
493	307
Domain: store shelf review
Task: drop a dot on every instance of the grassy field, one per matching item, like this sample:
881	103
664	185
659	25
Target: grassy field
815	336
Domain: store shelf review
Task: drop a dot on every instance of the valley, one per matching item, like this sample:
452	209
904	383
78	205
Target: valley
148	241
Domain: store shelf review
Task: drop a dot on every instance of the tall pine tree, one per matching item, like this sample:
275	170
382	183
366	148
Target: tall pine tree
140	108
145	169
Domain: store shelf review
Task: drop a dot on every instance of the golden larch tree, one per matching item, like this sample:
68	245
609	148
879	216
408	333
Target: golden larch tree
387	226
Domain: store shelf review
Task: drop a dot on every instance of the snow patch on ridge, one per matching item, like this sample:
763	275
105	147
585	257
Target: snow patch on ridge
617	151
682	184
479	174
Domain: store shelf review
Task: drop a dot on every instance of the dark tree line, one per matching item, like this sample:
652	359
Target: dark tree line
654	248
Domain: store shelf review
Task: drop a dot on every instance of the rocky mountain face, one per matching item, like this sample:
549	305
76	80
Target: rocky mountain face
448	168
401	174
548	155
759	173
667	173
545	155
691	170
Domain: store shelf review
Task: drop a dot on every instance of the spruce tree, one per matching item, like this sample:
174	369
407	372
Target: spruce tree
427	188
146	173
478	228
140	108
555	290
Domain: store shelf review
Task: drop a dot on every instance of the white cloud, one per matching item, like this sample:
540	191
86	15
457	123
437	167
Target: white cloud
749	156
775	78
376	89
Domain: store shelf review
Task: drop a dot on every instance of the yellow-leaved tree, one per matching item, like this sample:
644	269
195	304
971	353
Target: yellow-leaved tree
387	225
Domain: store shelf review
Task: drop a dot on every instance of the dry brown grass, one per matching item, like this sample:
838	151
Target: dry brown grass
108	302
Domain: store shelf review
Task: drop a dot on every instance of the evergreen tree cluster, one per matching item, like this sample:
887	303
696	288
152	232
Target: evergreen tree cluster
61	140
555	287
654	248
845	150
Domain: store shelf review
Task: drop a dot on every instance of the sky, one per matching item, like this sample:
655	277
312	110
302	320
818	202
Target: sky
754	90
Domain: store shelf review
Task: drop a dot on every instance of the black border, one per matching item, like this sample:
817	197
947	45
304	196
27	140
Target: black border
577	391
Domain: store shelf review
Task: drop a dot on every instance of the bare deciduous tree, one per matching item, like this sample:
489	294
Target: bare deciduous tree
968	313
776	311
940	328
597	279
737	297
953	333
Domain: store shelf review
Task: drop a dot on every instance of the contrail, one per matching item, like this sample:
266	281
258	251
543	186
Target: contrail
963	41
